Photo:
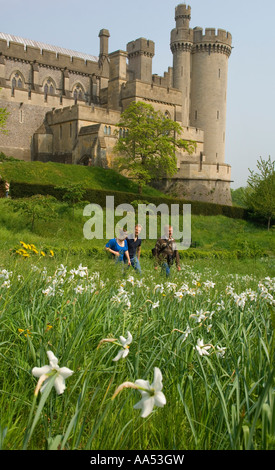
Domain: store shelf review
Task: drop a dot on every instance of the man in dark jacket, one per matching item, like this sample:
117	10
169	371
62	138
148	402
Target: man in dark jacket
134	248
165	251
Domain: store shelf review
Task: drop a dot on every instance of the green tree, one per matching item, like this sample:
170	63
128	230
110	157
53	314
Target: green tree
147	144
35	207
72	193
260	197
3	119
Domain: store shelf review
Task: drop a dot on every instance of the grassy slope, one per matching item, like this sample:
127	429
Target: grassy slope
210	232
60	174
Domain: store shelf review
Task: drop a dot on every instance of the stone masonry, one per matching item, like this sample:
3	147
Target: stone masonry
64	105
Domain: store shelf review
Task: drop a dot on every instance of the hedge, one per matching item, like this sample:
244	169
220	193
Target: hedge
96	196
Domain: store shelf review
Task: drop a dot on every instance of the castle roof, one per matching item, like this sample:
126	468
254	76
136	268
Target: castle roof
47	47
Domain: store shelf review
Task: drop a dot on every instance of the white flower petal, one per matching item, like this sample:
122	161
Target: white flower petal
65	372
59	384
125	352
38	371
122	340
160	399
147	406
157	384
129	338
143	383
119	355
53	360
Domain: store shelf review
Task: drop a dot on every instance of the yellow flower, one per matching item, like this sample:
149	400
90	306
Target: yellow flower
20	330
35	251
42	253
51	252
24	244
26	255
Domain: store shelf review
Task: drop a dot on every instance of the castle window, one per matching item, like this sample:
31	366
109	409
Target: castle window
21	116
49	88
218	167
78	93
71	129
196	115
109	130
218	114
201	158
60	132
219	73
16	82
105	130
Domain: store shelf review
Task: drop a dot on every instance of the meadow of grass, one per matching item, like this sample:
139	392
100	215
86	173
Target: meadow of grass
209	329
64	230
58	174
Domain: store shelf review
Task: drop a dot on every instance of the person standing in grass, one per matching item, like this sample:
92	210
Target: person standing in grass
165	251
134	248
118	247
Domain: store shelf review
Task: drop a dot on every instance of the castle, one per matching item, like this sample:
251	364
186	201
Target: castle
64	105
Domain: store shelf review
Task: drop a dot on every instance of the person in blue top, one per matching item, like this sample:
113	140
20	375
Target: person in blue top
118	247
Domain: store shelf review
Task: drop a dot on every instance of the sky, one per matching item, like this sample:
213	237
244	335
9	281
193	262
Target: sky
250	131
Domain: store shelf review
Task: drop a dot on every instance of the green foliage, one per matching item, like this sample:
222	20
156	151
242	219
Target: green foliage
238	197
146	149
72	193
34	208
98	196
4	114
4	158
260	197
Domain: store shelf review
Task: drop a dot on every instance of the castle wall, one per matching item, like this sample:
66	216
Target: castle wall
64	105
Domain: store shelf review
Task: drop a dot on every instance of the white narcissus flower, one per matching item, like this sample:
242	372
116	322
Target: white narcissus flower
220	351
125	345
44	373
202	348
151	394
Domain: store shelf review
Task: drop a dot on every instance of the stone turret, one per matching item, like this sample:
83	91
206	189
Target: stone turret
140	55
210	54
181	46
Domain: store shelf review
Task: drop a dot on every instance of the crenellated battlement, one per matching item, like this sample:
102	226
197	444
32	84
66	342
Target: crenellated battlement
141	46
183	16
46	55
211	35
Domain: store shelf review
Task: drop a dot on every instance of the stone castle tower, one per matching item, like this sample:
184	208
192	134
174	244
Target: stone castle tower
65	105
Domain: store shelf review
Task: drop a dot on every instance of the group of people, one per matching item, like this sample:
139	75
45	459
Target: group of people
126	249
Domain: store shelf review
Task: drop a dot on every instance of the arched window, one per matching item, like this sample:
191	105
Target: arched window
48	88
78	92
17	81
